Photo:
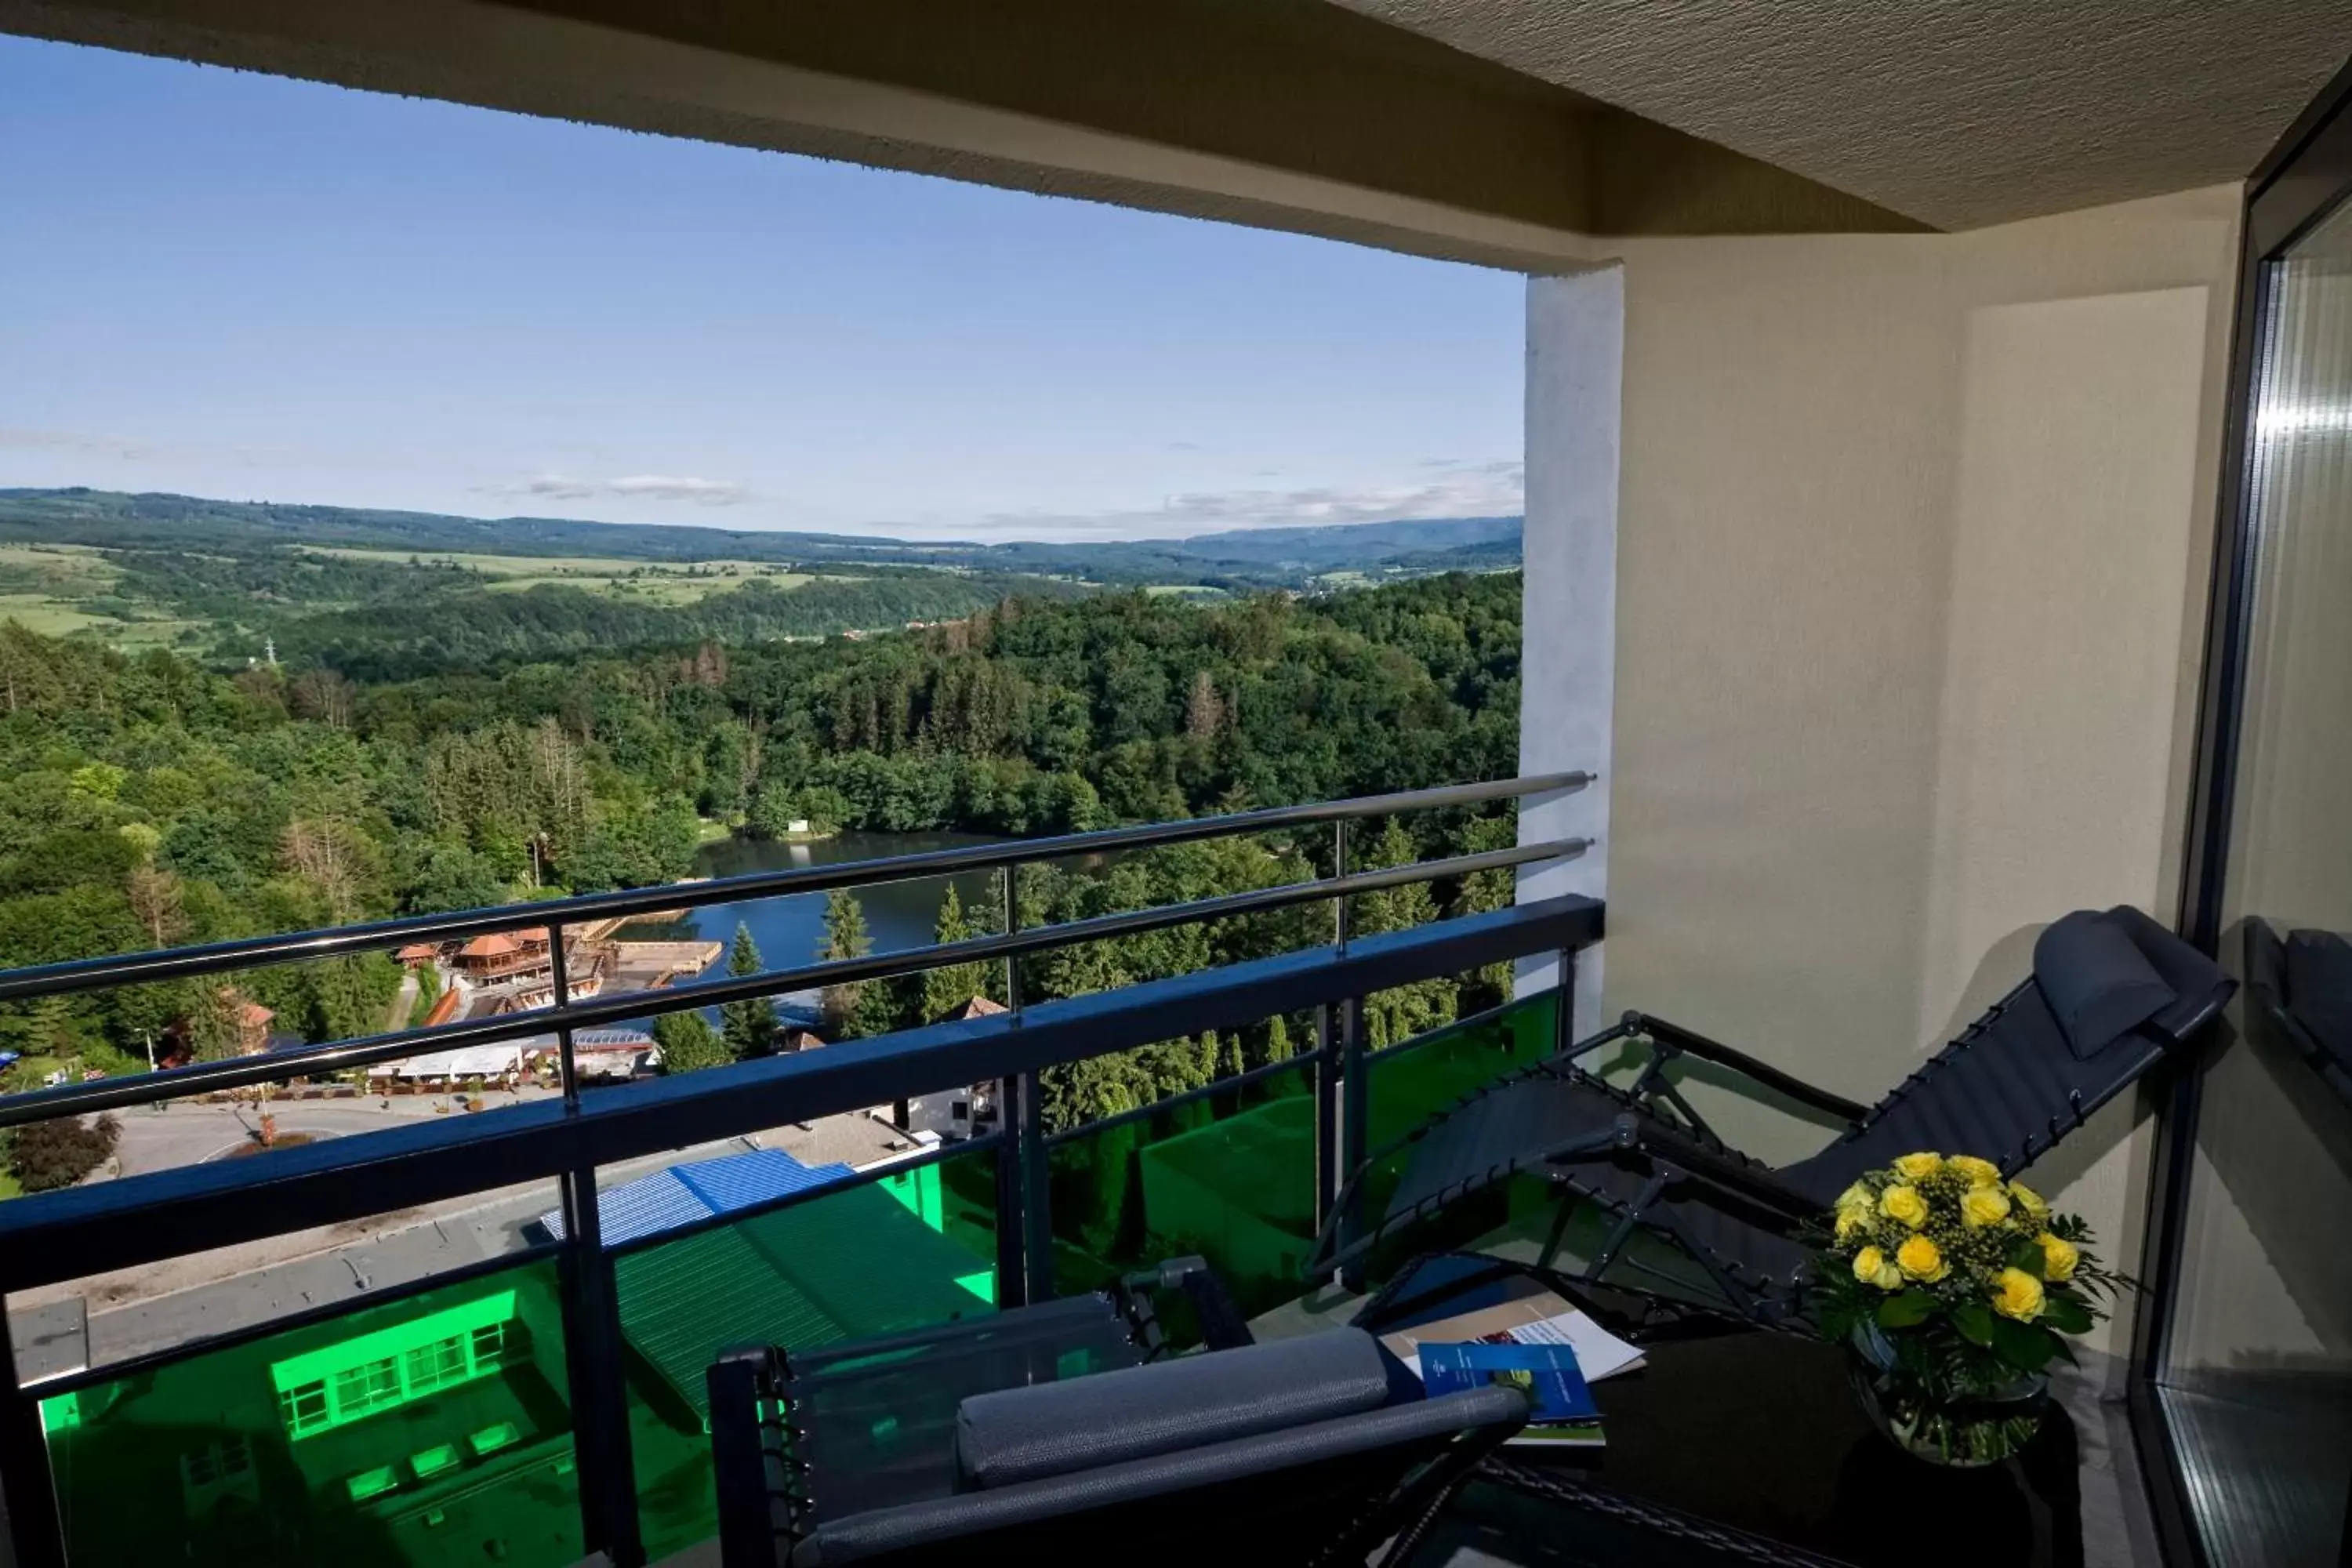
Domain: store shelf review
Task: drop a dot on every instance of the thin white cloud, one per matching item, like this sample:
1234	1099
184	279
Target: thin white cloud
126	447
1476	490
675	488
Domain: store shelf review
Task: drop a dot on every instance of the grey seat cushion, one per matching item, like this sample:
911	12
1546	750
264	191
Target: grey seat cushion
1018	1434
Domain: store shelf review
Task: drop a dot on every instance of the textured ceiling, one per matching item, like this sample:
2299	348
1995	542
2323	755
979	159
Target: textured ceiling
1955	112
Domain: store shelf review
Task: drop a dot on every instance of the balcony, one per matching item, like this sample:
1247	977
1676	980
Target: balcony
547	1400
1934	519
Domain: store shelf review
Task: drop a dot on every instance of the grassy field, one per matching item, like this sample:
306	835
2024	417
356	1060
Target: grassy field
1184	591
48	616
659	582
60	569
48	589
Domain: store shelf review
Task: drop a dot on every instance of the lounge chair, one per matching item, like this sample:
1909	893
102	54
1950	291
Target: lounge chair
1000	1440
2301	988
2110	996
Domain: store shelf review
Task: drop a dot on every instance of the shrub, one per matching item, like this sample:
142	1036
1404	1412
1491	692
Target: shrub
46	1155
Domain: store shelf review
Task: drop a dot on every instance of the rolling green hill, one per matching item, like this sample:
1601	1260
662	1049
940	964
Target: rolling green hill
1277	557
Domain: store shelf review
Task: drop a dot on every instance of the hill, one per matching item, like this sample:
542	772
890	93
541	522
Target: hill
1261	558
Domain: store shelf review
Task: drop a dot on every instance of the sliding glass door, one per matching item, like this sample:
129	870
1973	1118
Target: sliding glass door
2250	1370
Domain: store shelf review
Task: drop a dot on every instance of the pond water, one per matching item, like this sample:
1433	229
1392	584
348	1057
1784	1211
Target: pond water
789	930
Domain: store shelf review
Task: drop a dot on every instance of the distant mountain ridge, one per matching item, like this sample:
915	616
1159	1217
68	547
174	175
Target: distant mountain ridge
1237	559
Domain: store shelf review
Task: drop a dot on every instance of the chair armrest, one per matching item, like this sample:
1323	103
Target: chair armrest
1487	1413
1753	1183
1772	1077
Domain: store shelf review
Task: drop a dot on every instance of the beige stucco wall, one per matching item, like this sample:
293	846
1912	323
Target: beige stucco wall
1911	538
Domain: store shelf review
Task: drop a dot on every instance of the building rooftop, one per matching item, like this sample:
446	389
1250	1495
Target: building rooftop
683	1195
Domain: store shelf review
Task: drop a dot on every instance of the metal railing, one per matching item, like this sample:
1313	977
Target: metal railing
85	1230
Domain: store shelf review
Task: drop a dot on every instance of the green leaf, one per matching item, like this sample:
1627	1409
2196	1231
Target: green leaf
2065	1314
1974	1320
2027	1255
1904	1310
2026	1348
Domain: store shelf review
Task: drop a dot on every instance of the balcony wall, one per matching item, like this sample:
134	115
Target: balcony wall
1910	537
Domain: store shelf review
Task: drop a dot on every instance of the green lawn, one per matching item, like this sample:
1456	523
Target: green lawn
662	582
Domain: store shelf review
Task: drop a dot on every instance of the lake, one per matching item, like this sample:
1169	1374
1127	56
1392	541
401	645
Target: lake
791	929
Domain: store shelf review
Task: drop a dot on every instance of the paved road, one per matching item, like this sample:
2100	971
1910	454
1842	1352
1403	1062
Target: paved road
187	1134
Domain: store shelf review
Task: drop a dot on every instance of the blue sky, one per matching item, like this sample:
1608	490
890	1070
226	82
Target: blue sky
239	285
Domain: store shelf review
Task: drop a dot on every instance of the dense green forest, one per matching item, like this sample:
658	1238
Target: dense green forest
156	800
391	639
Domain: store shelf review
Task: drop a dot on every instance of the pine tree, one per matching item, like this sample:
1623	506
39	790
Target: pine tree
1278	1039
749	1026
1225	1055
948	990
689	1043
1394	1016
845	937
213	1033
42	1026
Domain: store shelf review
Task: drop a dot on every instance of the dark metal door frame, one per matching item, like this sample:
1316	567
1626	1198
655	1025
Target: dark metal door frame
2302	179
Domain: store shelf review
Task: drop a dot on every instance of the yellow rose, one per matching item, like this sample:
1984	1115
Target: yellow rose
1857	1196
1871	1268
1902	1202
1851	1222
1982	1206
2029	1200
1918	1167
2058	1257
1980	1172
2017	1294
1922	1260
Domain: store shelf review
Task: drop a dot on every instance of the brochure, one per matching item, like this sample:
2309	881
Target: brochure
1564	1412
1536	1318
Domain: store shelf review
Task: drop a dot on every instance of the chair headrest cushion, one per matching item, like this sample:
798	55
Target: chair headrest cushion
2098	983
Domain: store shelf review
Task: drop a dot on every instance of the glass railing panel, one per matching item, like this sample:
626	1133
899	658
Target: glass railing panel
149	1312
875	1256
1410	1084
432	1430
1228	1174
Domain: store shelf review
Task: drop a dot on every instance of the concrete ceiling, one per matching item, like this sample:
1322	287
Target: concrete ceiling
1954	112
1294	114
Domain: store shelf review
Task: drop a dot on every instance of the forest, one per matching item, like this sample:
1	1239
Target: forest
157	800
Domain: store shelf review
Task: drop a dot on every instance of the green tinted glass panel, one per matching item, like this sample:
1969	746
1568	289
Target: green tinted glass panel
1228	1176
1407	1085
901	1252
208	1448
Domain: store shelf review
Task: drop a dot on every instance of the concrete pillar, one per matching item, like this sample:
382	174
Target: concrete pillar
1576	342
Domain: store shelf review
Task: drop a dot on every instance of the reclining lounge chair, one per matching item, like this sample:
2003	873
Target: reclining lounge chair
1004	1440
2302	992
2110	996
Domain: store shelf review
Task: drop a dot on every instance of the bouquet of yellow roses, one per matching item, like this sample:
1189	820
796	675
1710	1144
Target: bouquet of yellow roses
1955	1288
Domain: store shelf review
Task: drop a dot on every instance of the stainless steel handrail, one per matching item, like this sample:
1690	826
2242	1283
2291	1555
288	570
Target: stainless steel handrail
175	963
107	1094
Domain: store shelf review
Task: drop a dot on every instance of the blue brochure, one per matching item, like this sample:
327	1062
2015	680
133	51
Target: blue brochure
1564	1411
